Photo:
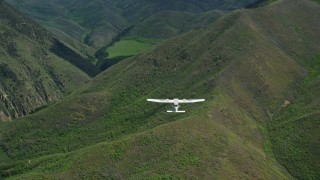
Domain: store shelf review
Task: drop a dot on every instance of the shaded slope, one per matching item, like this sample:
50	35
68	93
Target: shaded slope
137	10
166	24
97	22
31	75
68	54
246	65
94	23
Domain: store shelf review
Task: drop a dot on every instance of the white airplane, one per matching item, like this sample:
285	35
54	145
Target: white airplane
176	103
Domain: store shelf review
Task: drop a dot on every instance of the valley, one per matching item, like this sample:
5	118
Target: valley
104	22
258	69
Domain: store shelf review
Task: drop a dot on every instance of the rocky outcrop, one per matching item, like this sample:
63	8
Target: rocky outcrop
34	98
32	75
7	110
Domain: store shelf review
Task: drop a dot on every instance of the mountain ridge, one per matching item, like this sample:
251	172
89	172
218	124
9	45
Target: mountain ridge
247	65
257	70
115	16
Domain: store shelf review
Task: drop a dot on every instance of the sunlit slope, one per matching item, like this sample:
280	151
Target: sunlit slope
31	74
295	128
194	147
246	65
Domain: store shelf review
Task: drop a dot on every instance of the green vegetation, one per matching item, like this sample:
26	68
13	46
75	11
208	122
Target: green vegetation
32	71
73	20
97	23
127	48
69	55
295	132
259	121
261	3
166	24
89	27
318	1
3	157
150	41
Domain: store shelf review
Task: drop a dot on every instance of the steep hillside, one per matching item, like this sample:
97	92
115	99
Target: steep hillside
295	131
151	31
93	23
166	24
32	71
97	22
137	10
248	65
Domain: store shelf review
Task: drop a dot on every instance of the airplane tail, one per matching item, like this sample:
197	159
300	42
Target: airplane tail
176	111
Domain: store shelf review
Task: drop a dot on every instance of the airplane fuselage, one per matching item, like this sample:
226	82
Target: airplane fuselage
176	102
176	109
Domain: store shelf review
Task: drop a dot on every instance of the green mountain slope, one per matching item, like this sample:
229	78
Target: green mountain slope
166	24
146	34
294	128
137	10
295	131
97	22
32	72
93	23
246	64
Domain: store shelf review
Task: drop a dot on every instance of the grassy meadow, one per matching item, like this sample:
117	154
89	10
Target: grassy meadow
127	48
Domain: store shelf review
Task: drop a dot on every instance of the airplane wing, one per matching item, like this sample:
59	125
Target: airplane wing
190	100
161	100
